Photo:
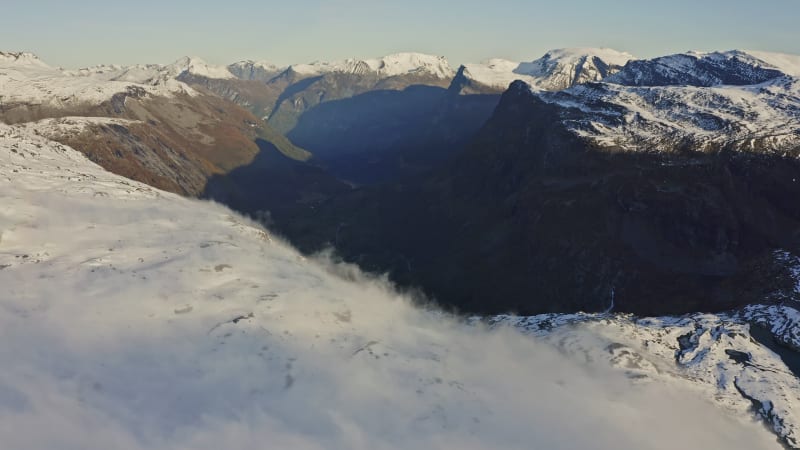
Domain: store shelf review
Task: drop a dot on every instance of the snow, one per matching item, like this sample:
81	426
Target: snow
788	64
496	73
695	351
197	66
136	319
608	55
28	81
557	69
68	126
21	59
764	115
388	66
25	79
266	66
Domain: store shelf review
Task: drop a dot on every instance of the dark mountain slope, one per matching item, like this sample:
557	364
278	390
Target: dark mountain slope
388	134
274	188
530	218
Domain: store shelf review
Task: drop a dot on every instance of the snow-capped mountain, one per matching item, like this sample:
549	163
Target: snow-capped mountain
735	68
25	80
21	59
704	102
140	121
556	70
136	319
328	82
197	66
155	74
388	66
255	70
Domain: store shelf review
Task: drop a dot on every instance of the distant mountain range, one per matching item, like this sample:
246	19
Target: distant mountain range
669	181
675	197
163	131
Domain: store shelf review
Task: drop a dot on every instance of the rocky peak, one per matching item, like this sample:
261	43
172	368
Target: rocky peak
733	68
556	70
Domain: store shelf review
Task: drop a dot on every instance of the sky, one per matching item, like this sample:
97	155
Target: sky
88	32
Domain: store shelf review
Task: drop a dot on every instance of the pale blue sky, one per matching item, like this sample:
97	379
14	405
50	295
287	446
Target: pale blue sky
87	32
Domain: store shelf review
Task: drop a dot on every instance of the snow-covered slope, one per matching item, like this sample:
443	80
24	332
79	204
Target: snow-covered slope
197	66
716	355
255	70
556	70
132	318
734	68
388	66
21	59
25	79
699	101
156	74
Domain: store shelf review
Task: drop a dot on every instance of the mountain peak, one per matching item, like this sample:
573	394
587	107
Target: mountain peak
555	70
609	55
255	70
197	66
786	63
21	59
387	66
706	69
255	64
563	68
409	62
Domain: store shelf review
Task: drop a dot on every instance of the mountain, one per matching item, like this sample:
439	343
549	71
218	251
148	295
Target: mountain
398	64
378	136
255	70
556	70
138	121
356	115
316	83
668	186
375	120
702	102
446	124
120	298
734	68
592	194
731	354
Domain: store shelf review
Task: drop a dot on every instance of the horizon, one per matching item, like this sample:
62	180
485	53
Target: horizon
93	32
453	64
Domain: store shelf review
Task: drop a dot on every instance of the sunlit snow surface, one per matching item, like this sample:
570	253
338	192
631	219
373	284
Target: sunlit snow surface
25	79
764	116
135	319
557	69
388	66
